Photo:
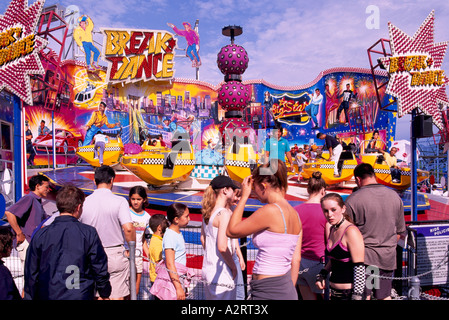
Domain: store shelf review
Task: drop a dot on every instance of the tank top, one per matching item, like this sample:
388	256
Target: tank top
342	266
215	270
313	230
275	251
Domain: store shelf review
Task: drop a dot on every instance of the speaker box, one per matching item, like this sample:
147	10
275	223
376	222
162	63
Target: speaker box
422	126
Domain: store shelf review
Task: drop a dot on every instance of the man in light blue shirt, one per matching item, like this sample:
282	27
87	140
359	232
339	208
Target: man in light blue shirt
277	147
313	107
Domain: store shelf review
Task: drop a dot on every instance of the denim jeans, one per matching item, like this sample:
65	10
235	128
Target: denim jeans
90	134
88	49
312	111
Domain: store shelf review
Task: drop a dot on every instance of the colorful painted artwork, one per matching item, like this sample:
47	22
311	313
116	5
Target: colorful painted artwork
135	55
20	47
137	97
83	36
139	109
193	42
340	101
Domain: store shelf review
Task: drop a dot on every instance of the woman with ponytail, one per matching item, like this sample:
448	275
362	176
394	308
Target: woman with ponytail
223	261
277	233
313	240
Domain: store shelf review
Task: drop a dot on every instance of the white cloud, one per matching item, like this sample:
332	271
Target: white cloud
288	42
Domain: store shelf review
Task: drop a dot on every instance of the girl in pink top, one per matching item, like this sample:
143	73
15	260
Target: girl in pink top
277	234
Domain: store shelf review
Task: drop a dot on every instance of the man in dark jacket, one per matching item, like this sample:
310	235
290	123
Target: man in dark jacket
347	95
66	260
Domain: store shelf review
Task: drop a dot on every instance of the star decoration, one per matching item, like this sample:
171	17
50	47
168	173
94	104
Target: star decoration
428	91
14	73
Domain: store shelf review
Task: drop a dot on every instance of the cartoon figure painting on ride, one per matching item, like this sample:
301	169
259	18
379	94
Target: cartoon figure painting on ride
193	42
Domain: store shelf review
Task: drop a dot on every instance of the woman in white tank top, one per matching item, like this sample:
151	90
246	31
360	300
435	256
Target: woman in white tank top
223	261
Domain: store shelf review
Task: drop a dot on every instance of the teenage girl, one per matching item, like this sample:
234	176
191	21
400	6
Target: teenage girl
223	261
346	250
313	240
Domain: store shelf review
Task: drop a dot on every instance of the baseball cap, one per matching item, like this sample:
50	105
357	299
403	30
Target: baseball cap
223	182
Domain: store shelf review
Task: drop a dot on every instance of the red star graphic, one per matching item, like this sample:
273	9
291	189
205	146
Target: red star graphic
425	97
14	75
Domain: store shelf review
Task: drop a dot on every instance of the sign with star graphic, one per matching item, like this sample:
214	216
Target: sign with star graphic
20	47
416	77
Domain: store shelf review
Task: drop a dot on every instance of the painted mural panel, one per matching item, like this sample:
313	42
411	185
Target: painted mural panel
340	103
136	110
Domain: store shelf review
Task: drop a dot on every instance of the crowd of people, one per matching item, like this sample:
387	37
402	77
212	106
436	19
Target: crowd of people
82	253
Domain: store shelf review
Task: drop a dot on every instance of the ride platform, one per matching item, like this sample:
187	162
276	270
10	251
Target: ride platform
191	192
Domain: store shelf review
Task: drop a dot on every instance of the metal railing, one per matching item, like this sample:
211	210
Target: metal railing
49	152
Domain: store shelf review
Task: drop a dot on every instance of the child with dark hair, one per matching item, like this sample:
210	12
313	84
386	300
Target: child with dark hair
138	201
8	289
158	224
174	255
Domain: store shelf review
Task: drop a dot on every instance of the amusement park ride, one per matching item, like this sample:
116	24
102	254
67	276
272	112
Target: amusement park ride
52	88
173	164
168	167
159	166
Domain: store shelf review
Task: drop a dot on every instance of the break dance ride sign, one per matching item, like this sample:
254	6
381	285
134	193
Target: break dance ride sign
416	77
135	55
20	47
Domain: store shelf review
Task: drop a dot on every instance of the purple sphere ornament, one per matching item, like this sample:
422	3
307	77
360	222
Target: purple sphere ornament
232	59
234	95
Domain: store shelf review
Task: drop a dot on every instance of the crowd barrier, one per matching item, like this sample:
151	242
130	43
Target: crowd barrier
410	282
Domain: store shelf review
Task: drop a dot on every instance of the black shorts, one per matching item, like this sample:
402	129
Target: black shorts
379	286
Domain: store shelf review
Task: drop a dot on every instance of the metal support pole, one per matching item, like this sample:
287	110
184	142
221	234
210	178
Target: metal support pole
53	143
414	187
132	269
197	22
19	151
414	292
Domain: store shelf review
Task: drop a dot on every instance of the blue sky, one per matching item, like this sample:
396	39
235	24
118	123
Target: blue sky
289	42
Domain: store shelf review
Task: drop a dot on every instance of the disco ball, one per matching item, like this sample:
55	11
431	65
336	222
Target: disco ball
233	95
232	59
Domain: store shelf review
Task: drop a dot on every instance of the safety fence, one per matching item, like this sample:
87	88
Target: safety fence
406	280
195	254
